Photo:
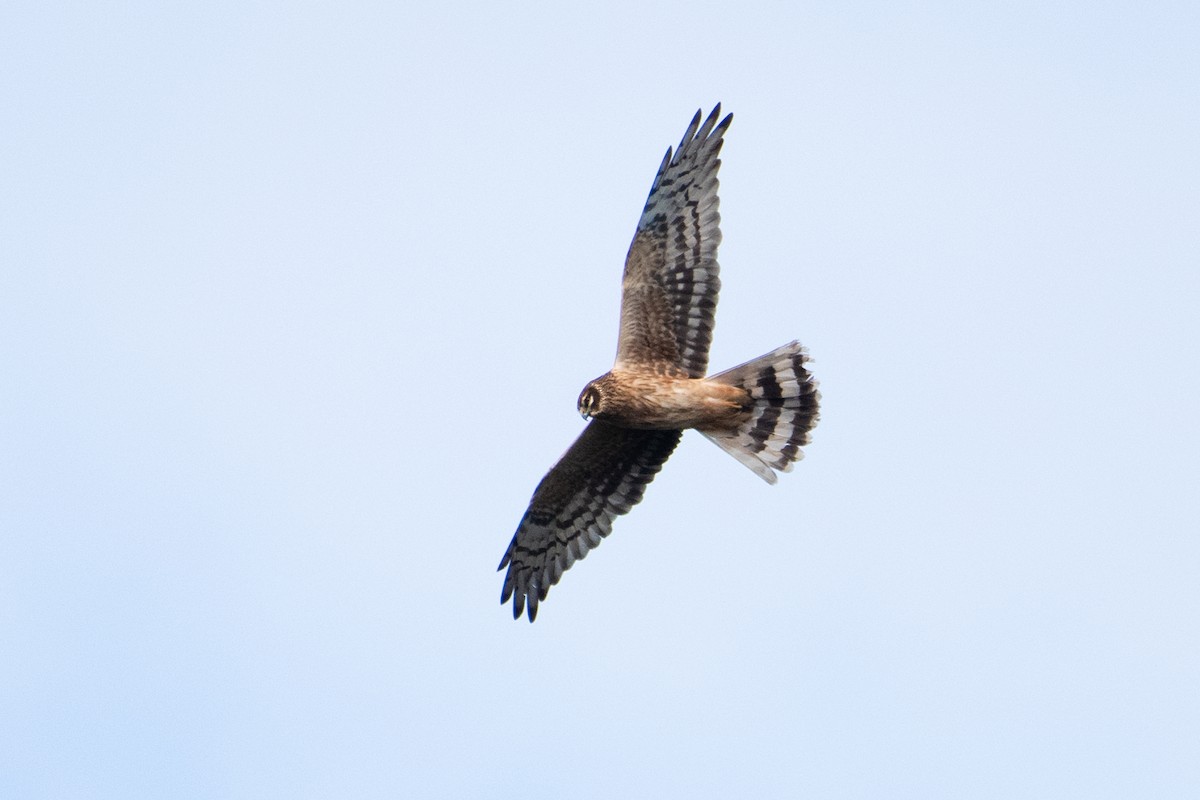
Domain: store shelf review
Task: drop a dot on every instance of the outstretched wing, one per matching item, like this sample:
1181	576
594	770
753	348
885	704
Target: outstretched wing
669	292
601	476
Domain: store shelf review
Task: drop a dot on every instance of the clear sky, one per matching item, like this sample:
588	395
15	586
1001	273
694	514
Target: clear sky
296	300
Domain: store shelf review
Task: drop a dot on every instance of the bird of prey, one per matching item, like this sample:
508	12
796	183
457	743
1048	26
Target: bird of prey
760	412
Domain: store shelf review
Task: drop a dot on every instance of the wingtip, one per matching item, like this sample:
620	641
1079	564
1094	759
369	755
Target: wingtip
522	603
666	162
714	128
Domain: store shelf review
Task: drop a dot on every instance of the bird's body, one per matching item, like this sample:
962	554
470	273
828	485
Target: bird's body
759	412
636	399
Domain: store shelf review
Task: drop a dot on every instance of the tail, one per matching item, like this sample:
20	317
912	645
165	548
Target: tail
784	410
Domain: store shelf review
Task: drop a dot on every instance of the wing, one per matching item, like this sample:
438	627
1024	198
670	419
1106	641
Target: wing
669	292
602	475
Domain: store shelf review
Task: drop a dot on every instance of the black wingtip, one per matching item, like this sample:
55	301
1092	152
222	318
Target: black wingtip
688	135
711	121
522	603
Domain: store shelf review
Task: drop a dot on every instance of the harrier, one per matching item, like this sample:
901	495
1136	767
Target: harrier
760	412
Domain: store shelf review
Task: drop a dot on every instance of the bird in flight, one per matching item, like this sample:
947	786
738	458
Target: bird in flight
760	412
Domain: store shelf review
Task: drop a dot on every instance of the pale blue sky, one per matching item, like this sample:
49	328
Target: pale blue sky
295	303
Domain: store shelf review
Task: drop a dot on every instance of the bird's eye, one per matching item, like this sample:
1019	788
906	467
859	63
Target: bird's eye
589	400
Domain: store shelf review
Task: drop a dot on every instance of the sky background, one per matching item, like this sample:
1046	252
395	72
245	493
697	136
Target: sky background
296	300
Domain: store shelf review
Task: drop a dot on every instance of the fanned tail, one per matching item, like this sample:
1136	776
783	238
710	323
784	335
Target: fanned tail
785	405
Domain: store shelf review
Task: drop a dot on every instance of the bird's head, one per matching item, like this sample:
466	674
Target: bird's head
591	400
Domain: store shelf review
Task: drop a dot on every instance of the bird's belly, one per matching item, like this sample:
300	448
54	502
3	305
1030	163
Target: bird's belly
677	403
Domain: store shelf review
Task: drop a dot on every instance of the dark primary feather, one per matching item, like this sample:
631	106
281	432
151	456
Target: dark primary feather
671	279
603	475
